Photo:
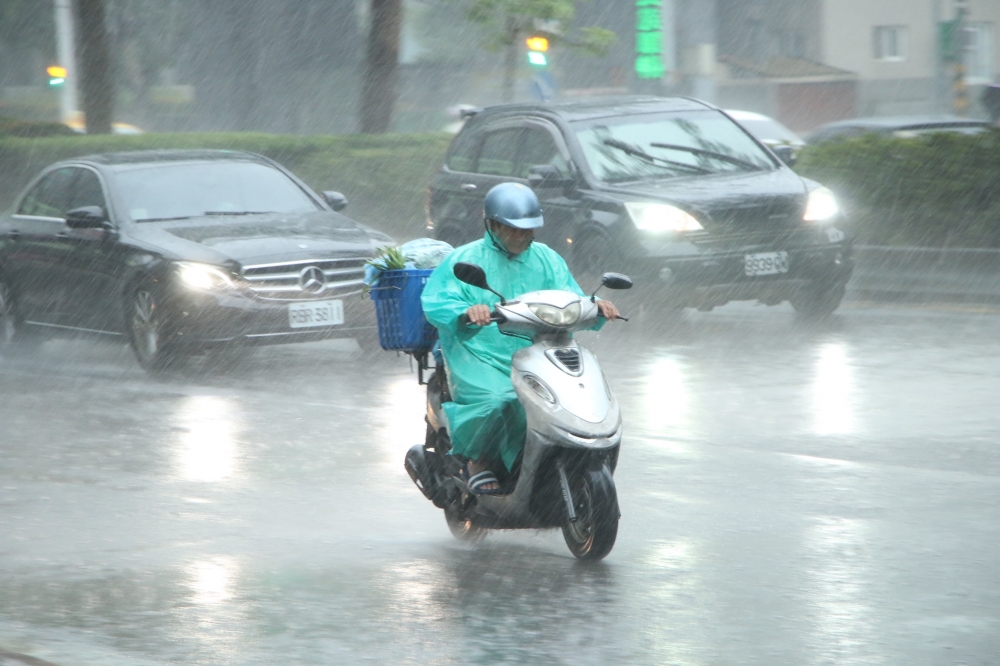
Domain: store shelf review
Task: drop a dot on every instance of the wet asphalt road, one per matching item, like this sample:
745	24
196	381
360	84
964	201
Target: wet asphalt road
791	494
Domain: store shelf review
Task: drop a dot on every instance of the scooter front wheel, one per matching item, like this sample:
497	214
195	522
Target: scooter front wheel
595	501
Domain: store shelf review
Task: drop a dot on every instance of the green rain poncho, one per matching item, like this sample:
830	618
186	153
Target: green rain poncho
485	417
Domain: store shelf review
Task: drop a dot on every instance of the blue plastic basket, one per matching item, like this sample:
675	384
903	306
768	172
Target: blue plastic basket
401	322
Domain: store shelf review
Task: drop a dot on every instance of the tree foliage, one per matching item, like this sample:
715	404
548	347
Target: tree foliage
509	22
26	29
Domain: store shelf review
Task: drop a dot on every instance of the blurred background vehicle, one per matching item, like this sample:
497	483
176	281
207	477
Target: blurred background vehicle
897	126
766	129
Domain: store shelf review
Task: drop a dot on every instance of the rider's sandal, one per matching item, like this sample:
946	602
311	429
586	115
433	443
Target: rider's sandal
477	481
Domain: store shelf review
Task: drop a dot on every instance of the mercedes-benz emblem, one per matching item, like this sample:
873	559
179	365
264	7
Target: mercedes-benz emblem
312	280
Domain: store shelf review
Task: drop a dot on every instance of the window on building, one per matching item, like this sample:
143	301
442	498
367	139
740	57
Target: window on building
979	52
890	42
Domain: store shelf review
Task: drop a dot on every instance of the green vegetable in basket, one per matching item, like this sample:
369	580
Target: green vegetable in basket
387	258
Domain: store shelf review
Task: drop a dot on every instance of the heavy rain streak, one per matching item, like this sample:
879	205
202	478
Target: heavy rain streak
499	331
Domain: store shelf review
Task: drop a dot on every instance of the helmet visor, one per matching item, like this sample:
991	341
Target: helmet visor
523	223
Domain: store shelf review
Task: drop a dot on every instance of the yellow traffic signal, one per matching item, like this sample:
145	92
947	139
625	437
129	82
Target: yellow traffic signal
538	44
57	75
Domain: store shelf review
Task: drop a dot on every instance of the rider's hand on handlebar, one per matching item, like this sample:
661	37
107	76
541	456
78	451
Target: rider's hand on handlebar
479	315
608	310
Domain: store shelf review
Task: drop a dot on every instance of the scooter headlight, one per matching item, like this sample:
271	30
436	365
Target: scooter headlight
554	316
539	387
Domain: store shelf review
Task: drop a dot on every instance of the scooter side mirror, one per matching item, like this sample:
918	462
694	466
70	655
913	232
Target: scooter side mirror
616	281
476	276
471	274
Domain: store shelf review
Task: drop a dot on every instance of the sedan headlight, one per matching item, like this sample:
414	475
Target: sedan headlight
660	218
203	276
822	205
554	316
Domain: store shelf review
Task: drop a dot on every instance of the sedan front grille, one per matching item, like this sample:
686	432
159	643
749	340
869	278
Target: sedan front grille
307	278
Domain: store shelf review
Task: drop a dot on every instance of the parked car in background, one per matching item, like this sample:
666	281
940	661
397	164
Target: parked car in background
178	251
898	126
769	131
669	190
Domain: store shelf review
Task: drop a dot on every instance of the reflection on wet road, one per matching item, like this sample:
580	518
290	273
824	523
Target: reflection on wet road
791	494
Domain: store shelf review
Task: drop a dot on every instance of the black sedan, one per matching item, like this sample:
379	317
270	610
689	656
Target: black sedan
670	190
179	251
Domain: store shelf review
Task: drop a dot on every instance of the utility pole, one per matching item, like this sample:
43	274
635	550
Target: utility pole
66	52
961	99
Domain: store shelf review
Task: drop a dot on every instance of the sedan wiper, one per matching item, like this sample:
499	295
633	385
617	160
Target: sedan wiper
629	149
238	212
710	153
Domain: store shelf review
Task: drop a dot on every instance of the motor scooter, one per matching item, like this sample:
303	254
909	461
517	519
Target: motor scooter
564	476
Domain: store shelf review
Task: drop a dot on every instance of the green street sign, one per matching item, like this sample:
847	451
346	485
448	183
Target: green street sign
649	39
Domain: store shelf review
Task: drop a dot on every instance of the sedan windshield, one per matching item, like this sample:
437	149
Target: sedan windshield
634	148
179	190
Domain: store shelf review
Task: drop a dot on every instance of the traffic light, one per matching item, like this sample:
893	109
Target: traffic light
537	46
57	75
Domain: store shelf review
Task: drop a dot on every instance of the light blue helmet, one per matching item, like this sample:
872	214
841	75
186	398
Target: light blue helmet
515	205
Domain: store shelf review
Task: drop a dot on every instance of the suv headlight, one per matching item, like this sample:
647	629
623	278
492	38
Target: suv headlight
660	218
554	316
822	205
203	276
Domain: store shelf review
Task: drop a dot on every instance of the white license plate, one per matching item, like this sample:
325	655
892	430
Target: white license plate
315	313
766	263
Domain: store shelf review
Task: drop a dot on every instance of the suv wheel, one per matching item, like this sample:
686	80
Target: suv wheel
592	257
817	302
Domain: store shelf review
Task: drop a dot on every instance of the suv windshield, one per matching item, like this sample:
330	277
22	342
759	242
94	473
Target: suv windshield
179	190
633	148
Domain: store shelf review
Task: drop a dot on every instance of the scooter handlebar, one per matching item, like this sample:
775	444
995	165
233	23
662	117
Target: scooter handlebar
495	317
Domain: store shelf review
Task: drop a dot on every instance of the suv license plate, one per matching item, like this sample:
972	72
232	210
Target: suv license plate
315	313
765	263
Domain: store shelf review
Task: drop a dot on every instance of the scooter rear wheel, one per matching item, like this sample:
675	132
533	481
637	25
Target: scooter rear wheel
463	530
595	501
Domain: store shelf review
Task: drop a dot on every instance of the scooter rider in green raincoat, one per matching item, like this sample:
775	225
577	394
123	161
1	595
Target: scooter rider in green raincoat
486	422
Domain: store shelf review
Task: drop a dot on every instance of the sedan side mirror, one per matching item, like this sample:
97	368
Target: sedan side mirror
786	154
86	217
335	200
547	175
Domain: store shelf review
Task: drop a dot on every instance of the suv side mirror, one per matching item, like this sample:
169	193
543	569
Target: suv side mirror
335	200
786	154
86	217
547	175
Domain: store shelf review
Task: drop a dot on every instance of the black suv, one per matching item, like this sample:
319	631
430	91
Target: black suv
670	190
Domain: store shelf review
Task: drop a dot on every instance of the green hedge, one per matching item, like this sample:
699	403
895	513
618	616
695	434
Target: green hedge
384	177
939	190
